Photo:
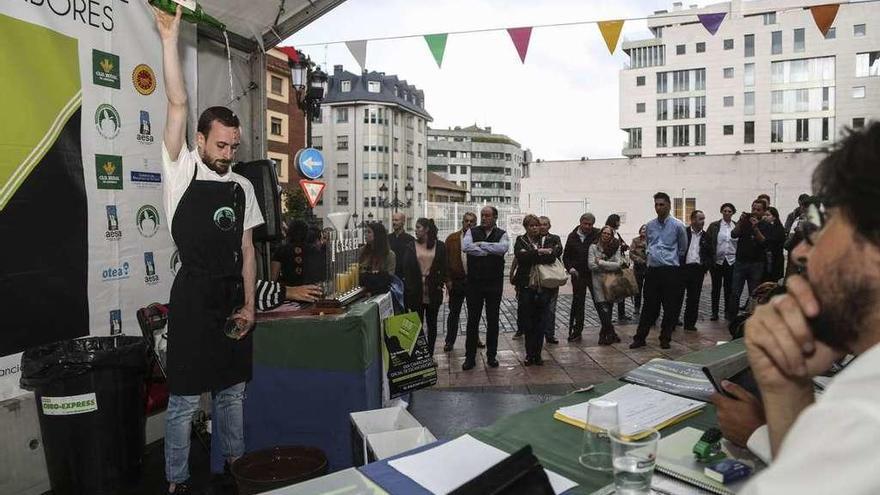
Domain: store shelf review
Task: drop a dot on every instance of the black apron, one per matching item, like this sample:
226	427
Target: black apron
207	230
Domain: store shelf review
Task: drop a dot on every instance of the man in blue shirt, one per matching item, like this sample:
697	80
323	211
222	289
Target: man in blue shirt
664	285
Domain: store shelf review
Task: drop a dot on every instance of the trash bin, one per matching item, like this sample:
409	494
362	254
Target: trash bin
264	470
90	401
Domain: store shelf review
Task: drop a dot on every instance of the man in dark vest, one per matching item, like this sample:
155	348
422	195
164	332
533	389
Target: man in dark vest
212	212
485	247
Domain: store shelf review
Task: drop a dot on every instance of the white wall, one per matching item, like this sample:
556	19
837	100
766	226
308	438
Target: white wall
626	186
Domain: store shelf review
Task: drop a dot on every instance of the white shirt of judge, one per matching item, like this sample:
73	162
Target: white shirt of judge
832	446
693	252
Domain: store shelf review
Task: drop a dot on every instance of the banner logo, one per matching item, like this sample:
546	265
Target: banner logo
115	273
108	170
105	69
107	121
147	219
73	404
145	134
113	233
174	264
224	218
150	266
144	79
115	322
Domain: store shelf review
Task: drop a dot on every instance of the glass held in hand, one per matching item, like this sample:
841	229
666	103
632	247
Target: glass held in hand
633	457
235	325
602	416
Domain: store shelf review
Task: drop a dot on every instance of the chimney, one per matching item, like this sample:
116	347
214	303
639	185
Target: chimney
337	69
694	6
676	6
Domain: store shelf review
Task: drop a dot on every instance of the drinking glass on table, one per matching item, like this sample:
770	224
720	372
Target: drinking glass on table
602	416
633	457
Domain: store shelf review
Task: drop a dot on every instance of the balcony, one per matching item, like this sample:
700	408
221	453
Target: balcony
630	150
491	177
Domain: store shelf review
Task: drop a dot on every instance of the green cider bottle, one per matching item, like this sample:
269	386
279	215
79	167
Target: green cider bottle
197	16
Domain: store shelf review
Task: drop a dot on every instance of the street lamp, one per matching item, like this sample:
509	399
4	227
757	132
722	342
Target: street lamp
310	84
396	202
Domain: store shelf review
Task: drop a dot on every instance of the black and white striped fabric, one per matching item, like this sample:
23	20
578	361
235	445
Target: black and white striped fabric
269	295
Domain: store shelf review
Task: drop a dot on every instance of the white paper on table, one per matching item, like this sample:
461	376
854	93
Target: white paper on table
639	407
446	467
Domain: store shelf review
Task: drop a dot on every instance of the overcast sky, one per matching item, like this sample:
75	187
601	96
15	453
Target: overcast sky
562	103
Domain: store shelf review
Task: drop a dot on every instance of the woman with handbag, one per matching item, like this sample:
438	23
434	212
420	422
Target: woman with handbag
605	262
424	270
531	250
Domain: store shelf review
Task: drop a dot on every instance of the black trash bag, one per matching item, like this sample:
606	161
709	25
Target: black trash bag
49	363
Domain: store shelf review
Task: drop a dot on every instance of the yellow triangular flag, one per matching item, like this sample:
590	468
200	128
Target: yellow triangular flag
611	32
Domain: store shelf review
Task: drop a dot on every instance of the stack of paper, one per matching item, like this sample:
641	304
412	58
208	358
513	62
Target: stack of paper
638	408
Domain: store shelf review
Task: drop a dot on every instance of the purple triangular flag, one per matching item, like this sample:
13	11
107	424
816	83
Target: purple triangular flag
711	21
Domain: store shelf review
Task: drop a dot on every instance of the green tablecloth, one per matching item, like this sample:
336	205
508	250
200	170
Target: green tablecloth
345	342
558	444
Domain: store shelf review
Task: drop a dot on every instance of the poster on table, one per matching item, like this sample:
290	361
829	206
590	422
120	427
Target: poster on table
408	364
85	236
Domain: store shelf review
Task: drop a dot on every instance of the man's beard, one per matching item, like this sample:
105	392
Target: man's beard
846	303
218	165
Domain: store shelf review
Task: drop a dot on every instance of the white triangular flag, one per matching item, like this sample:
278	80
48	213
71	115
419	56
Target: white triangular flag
358	50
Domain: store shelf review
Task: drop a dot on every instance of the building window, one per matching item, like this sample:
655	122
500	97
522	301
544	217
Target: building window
826	97
826	129
409	147
341	170
277	85
681	108
640	108
728	130
662	82
680	135
640	80
769	18
342	198
690	204
749	75
276	126
662	113
749	48
681	81
701	47
728	73
728	44
799	45
776	42
831	33
279	166
802	100
803	130
728	101
749	103
318	142
635	138
700	107
345	87
342	142
858	122
868	64
700	135
319	116
341	115
420	150
700	77
749	133
858	92
374	86
421	122
680	49
776	131
396	144
858	30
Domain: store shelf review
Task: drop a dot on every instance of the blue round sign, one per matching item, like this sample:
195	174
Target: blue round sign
310	163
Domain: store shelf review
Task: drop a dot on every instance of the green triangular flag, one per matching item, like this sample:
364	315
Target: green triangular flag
437	44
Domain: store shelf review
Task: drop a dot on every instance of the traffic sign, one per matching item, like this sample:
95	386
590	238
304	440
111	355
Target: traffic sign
310	163
313	190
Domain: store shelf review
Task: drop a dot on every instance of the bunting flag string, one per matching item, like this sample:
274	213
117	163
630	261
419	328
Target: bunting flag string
520	38
611	33
711	21
824	16
358	50
437	45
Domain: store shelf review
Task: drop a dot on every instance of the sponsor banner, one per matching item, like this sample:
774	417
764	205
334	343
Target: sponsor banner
72	404
99	120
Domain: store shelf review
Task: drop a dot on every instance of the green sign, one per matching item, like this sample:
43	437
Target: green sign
108	170
105	69
406	356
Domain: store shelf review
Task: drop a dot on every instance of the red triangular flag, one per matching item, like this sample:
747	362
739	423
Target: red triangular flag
520	37
824	16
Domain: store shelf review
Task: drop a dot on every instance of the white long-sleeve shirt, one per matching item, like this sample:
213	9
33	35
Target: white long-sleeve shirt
499	248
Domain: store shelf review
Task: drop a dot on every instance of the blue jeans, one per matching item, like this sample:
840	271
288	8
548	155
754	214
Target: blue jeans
744	273
227	428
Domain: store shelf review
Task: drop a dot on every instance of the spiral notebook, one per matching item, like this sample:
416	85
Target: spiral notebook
675	458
